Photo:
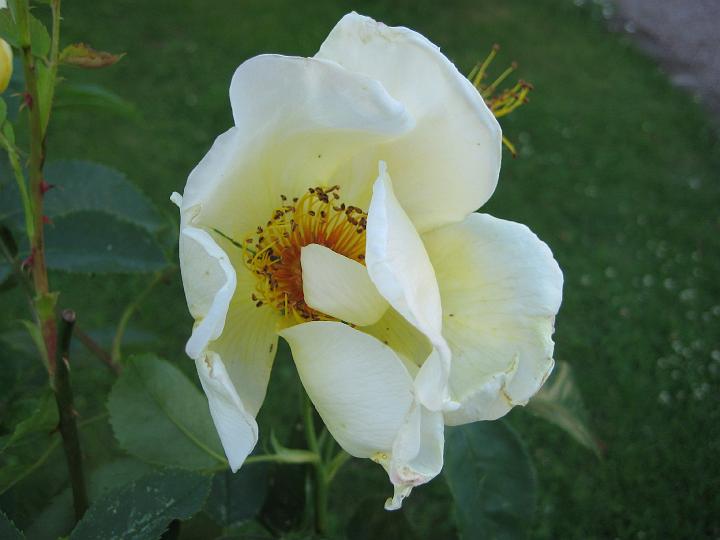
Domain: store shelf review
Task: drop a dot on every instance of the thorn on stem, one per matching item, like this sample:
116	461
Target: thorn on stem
28	261
45	186
27	101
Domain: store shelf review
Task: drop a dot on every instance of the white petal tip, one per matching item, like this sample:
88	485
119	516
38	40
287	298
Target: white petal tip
395	502
176	199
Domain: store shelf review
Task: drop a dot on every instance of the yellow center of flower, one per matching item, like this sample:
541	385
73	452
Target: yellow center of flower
272	252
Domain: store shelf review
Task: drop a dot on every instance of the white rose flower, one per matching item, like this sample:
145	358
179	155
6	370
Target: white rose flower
338	214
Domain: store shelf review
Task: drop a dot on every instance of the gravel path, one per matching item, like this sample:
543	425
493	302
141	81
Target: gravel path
684	36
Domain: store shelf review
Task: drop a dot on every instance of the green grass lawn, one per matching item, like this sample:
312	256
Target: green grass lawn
617	171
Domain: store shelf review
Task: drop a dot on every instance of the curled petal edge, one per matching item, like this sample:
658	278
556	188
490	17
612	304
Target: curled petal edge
210	325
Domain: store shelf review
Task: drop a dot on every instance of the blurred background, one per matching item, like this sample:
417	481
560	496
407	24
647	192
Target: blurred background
617	170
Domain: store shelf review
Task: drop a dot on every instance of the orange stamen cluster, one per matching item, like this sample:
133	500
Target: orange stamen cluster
507	100
272	252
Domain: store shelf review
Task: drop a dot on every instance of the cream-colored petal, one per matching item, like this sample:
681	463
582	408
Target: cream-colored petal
448	165
340	287
411	345
237	428
209	280
401	270
364	395
296	121
417	455
233	343
501	289
359	387
248	343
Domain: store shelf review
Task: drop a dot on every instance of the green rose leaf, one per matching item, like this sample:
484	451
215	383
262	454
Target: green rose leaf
39	37
94	242
75	95
42	418
491	479
20	460
101	222
8	531
159	416
57	519
371	521
560	402
145	507
87	186
235	498
30	421
8	30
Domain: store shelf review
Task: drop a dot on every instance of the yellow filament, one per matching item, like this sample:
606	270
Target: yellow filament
272	252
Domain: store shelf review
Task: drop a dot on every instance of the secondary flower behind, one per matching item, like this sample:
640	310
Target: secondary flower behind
6	59
338	214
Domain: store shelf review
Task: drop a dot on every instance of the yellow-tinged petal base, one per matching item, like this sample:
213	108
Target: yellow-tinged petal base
273	252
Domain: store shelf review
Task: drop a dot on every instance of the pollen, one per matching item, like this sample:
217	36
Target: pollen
272	251
500	102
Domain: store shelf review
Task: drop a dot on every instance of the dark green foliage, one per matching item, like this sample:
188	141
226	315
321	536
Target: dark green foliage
8	531
559	401
83	186
236	498
144	508
370	522
492	481
159	416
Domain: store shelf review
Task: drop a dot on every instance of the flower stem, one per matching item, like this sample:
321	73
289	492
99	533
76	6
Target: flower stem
56	353
66	410
336	464
321	477
130	309
43	299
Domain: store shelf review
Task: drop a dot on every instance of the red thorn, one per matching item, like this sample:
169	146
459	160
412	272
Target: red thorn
47	220
28	262
45	187
27	101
